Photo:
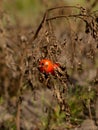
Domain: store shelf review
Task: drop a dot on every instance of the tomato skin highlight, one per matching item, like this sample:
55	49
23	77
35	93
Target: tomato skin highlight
47	66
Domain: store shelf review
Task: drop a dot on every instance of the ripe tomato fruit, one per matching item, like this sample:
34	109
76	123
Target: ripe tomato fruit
47	66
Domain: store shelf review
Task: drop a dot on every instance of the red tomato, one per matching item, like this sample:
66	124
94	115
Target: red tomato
47	66
56	65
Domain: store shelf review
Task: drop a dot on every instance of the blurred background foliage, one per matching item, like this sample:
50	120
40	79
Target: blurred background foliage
31	11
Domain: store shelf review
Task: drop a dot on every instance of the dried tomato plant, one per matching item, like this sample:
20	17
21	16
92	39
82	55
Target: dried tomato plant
67	35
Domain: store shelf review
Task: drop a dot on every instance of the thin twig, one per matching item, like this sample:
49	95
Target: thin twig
19	101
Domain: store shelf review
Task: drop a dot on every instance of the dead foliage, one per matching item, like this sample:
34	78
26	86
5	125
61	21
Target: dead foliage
67	35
